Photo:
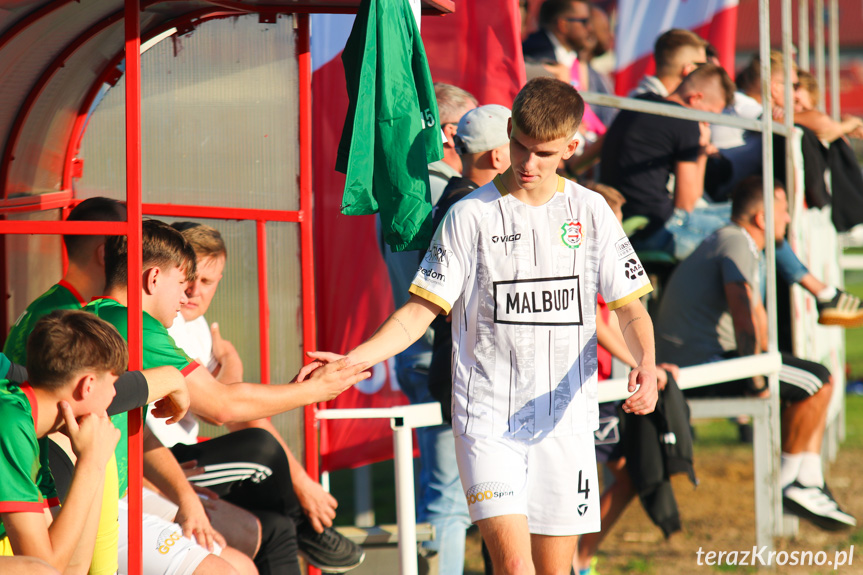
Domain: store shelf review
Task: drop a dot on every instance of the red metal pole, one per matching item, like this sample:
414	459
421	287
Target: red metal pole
310	336
133	207
263	301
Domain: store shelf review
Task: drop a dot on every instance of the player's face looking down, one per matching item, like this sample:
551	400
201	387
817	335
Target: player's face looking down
533	161
201	291
168	290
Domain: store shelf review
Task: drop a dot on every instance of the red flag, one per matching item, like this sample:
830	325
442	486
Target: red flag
478	49
641	22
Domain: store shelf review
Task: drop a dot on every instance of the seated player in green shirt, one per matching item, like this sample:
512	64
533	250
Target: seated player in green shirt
83	280
74	360
162	296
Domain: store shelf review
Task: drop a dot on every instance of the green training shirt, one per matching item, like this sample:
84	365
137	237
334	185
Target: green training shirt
159	350
60	296
26	483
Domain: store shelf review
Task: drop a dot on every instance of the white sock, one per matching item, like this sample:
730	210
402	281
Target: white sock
810	474
826	294
790	468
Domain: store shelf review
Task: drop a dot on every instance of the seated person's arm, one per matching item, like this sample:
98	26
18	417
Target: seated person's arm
220	403
164	472
689	183
230	368
825	127
745	317
164	385
68	540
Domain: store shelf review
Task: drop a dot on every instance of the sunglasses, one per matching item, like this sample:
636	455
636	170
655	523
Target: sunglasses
582	21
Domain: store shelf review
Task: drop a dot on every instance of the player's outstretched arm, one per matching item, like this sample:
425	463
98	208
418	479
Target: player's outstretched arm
637	330
395	335
221	403
169	391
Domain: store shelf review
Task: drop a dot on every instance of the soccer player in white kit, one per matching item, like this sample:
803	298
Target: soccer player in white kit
519	263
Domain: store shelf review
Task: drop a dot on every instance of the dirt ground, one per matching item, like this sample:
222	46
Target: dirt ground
718	515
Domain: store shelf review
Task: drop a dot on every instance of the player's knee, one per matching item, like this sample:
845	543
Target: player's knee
215	565
515	565
242	563
28	566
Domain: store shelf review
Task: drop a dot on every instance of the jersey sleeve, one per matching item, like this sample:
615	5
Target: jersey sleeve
688	146
19	460
442	271
160	349
622	278
738	263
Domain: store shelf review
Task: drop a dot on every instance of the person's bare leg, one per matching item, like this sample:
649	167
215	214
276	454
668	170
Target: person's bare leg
803	423
509	544
214	565
241	562
552	555
812	284
611	505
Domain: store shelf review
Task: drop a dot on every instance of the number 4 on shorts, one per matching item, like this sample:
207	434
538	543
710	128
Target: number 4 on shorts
583	487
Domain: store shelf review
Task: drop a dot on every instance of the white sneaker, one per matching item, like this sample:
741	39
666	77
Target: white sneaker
817	505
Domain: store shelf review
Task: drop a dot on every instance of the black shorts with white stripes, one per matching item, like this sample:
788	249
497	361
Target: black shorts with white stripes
798	379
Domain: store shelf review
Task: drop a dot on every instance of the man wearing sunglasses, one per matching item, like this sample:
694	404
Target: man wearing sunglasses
564	30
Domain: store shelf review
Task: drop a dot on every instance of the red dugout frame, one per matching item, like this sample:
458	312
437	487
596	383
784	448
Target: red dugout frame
132	228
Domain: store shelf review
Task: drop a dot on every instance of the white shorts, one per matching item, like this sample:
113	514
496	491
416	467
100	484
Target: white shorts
552	481
165	550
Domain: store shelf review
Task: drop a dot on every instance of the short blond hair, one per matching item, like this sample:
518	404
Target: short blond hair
810	84
547	109
205	240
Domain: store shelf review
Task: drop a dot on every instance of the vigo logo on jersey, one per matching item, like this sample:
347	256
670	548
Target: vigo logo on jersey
542	301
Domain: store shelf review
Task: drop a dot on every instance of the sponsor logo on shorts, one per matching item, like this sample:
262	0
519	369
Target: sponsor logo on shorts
543	301
432	275
624	248
582	509
504	239
438	254
167	539
488	491
632	269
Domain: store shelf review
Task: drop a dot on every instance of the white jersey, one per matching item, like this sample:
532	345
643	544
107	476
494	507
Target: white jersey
195	339
521	282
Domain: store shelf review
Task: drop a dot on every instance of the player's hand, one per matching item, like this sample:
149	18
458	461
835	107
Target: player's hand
704	134
337	376
223	350
642	380
174	405
663	371
321	358
318	505
93	436
192	518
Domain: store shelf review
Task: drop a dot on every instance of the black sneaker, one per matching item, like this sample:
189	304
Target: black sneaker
816	504
844	309
330	551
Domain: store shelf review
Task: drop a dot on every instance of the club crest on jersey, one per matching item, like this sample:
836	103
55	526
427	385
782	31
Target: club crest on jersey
571	235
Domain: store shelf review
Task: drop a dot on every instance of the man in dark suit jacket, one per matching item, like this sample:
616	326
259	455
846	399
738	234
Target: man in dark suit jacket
564	30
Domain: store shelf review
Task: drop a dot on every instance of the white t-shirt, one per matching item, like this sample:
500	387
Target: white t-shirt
194	338
521	282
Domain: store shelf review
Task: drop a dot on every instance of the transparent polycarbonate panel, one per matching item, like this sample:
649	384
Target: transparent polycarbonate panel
219	120
34	263
286	326
235	305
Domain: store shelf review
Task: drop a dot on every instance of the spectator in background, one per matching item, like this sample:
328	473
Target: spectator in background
482	142
676	52
806	96
641	151
441	501
712	310
564	29
600	40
